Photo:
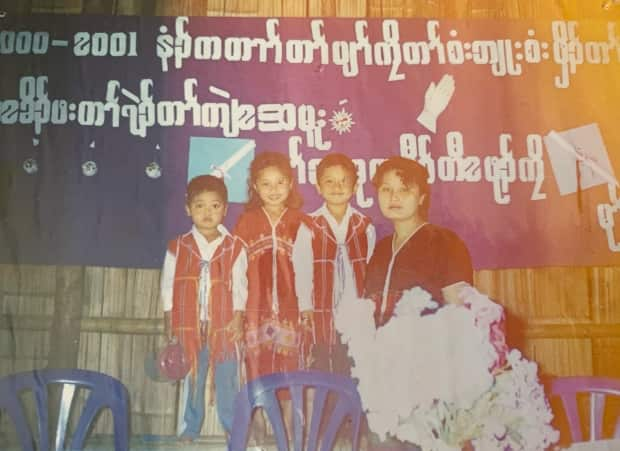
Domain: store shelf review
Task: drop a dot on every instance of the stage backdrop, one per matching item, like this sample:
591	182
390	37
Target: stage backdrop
104	119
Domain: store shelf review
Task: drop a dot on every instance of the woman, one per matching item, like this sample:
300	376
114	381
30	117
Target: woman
417	253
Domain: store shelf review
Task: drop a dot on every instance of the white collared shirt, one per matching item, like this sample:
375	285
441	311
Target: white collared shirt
303	257
207	249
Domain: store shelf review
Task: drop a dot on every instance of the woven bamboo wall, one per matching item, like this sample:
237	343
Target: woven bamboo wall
567	319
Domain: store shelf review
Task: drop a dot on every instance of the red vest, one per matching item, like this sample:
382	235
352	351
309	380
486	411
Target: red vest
220	298
185	308
324	248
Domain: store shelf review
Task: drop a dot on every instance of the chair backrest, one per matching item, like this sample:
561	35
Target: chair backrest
598	388
105	391
261	392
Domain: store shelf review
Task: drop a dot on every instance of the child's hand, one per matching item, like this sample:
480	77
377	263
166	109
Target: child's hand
307	320
235	327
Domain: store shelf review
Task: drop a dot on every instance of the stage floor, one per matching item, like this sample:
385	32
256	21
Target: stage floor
166	443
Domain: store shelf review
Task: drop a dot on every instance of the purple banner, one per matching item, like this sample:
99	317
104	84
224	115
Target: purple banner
104	119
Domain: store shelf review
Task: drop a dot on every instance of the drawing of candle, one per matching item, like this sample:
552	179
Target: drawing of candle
222	170
227	158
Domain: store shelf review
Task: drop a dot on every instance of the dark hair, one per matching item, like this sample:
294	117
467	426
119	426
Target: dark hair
337	159
203	183
411	173
266	160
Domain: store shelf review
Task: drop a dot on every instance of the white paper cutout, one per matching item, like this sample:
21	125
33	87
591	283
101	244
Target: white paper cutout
436	100
581	146
342	121
89	168
605	214
30	166
153	170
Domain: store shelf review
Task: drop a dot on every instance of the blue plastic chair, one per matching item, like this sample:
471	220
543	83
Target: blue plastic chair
261	392
105	391
599	388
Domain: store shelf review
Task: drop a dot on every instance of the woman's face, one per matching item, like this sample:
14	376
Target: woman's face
397	201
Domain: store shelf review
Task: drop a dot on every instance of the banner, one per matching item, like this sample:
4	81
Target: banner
103	120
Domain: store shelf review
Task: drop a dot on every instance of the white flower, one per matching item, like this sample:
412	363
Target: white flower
413	302
426	379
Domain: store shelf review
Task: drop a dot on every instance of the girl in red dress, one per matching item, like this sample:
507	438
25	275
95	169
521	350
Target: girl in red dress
269	227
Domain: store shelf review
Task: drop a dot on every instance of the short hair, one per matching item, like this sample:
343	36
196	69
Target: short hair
336	159
410	173
279	161
202	183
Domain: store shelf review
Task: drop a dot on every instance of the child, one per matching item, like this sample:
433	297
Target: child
268	227
204	292
339	241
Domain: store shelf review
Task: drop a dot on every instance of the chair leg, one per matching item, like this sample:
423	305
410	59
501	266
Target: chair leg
240	429
275	416
571	410
92	406
16	413
121	430
355	439
335	422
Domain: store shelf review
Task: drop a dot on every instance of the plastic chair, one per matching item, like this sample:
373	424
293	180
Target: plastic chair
105	391
598	387
261	392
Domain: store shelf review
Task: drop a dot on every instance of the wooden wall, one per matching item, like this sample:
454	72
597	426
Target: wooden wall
567	319
509	9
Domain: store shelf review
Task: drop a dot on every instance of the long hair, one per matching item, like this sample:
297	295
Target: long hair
281	162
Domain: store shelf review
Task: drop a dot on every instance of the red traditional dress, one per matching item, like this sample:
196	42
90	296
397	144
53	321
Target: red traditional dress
272	312
339	253
432	258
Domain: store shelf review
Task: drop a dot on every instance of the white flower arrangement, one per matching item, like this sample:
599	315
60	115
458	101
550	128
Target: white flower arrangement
433	379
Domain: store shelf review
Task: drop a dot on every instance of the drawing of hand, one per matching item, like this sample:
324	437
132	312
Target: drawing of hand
436	100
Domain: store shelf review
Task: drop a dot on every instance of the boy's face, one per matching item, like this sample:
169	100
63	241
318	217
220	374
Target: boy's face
207	210
336	185
397	201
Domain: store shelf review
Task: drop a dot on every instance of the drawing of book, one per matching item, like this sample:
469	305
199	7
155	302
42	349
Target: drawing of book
579	150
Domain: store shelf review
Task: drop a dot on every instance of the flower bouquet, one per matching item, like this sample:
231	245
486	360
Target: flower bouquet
445	379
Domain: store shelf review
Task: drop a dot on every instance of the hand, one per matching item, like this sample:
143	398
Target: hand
451	293
307	320
436	100
235	327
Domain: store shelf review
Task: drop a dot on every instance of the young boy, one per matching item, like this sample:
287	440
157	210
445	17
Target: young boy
204	291
339	241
